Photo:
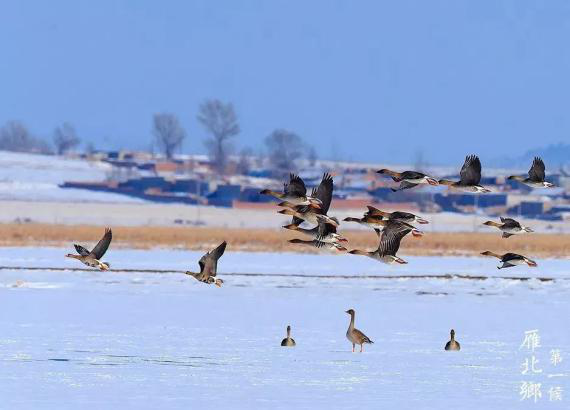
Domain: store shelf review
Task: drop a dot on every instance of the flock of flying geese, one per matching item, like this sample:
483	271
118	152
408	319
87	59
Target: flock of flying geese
390	227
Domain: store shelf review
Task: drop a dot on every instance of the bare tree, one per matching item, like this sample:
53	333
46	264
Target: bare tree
284	147
220	121
65	138
312	156
14	136
168	133
244	165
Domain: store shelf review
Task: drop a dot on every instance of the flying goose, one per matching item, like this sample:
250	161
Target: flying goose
408	179
389	243
209	266
355	336
294	192
323	193
333	246
452	344
288	341
470	176
511	259
93	258
536	175
323	232
377	222
509	227
396	216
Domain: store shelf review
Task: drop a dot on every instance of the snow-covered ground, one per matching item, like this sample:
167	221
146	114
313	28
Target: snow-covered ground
31	177
138	340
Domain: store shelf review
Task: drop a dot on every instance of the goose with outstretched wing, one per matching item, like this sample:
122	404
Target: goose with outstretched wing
389	244
209	266
93	258
536	175
469	176
294	192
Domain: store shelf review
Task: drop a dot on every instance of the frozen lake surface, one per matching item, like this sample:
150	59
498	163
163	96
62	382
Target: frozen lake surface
142	340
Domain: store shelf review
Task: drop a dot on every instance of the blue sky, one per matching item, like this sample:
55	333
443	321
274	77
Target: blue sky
377	80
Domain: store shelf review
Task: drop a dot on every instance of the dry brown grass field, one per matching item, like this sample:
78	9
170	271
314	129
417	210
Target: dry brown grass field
534	245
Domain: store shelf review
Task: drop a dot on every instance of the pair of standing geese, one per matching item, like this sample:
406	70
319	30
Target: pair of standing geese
392	227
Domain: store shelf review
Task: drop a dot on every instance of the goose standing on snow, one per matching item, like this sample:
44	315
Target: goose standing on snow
288	341
536	175
452	344
355	336
511	259
470	176
294	192
509	227
396	216
209	266
389	243
93	258
408	179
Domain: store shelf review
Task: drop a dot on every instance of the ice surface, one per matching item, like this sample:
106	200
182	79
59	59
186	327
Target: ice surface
94	340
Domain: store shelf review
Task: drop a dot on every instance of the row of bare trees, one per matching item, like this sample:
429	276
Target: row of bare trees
219	120
15	136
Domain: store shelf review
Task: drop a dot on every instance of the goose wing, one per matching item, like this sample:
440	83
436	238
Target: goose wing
404	185
81	250
324	229
324	192
296	186
399	215
209	262
511	256
391	237
412	175
361	337
470	173
510	223
102	246
536	171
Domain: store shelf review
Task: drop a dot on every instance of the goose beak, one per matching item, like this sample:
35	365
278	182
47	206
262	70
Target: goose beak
432	181
421	221
344	240
531	263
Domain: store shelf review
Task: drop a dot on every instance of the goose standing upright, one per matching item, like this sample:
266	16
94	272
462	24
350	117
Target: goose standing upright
511	259
93	258
536	175
355	336
470	176
288	341
209	266
452	344
509	227
408	179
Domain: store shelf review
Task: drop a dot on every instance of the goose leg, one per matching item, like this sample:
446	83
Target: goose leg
353	347
361	347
